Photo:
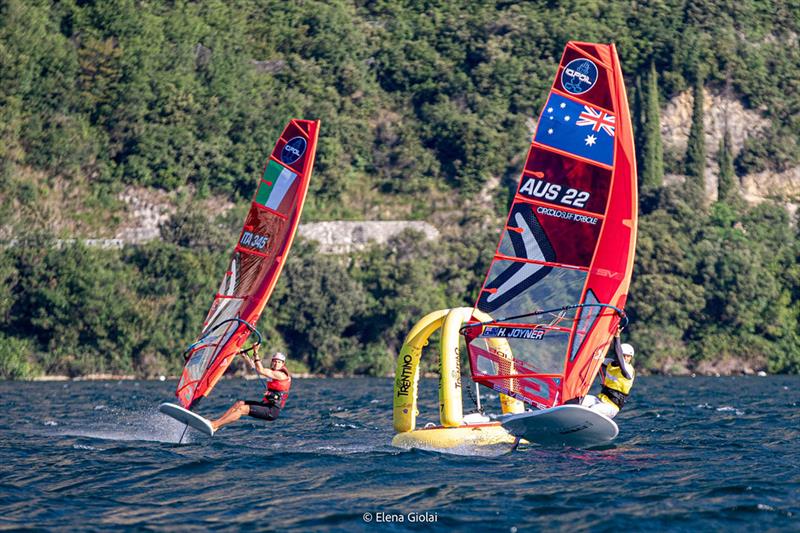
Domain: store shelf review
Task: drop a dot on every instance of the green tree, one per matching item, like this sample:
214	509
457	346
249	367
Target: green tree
744	256
696	148
317	308
15	358
653	175
666	303
638	119
726	185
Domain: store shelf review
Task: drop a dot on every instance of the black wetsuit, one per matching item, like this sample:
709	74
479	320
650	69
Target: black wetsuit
263	409
269	407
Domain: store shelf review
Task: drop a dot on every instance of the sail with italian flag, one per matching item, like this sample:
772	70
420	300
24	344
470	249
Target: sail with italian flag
256	261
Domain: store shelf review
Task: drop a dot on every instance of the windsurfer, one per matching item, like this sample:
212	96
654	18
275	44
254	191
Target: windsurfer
269	407
618	376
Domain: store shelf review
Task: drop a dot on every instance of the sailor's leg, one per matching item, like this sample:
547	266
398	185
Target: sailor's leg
237	411
590	401
605	409
596	404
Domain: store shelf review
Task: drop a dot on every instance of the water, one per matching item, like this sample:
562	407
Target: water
692	454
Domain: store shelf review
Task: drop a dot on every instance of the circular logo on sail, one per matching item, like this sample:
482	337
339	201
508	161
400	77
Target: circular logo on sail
293	150
579	76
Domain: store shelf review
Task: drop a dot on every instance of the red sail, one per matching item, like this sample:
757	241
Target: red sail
568	244
256	262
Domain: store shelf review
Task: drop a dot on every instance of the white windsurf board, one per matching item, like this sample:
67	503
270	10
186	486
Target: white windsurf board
187	417
563	425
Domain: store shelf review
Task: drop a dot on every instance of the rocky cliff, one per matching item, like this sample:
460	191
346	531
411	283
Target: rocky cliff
147	209
721	113
341	237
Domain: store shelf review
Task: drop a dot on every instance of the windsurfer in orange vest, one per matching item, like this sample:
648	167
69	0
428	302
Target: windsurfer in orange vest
618	376
269	407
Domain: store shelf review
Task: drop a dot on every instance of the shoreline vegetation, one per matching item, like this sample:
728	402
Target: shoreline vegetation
429	375
426	115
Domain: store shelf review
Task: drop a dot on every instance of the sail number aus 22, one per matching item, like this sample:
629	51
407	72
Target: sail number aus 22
537	188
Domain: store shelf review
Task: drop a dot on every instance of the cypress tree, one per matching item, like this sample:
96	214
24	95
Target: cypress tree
696	147
726	186
638	121
653	175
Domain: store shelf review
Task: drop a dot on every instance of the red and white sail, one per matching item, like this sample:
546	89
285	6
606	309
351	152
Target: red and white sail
256	263
568	243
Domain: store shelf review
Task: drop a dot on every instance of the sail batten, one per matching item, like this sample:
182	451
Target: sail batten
559	278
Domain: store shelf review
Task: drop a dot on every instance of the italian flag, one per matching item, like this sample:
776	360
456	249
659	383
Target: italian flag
275	184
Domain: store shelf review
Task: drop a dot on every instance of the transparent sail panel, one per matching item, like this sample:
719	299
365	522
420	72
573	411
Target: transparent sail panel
588	316
204	353
496	362
516	288
522	350
222	309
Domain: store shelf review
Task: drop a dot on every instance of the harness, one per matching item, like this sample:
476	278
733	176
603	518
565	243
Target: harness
278	390
616	386
616	397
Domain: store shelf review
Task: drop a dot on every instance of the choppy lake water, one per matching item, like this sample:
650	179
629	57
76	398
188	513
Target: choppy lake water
692	454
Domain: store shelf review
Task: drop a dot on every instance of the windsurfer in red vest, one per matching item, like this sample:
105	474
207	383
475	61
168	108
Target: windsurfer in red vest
269	407
618	376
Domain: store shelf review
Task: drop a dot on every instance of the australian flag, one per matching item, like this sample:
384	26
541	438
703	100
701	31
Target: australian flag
577	129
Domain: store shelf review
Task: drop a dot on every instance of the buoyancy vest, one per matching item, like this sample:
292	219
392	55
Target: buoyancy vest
278	390
616	386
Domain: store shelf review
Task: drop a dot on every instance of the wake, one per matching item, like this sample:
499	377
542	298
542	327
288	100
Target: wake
148	425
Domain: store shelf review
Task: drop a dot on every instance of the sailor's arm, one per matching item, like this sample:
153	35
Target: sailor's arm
620	357
278	375
616	357
626	368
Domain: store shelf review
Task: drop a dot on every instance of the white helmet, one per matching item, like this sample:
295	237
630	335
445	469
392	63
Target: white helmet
281	357
627	349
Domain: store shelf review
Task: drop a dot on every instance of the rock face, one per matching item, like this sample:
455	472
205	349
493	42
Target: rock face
148	209
721	113
783	187
342	237
766	184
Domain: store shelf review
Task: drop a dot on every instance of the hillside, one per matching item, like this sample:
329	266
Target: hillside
144	125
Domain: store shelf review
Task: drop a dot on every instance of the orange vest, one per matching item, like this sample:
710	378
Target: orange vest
278	390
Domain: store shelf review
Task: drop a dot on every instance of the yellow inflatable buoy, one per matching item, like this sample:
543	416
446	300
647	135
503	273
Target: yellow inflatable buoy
455	429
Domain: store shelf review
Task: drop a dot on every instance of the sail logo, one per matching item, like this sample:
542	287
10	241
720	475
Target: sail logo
404	379
538	188
566	215
519	276
496	332
252	240
293	150
579	76
606	273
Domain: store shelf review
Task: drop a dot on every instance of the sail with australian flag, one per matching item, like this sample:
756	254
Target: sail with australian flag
255	264
558	282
